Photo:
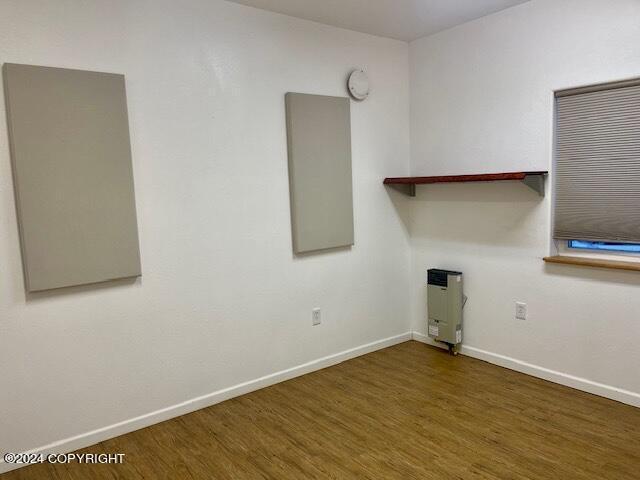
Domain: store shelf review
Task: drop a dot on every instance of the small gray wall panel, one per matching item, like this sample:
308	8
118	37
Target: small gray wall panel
319	144
73	179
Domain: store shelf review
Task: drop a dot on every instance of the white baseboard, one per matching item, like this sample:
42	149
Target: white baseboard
600	389
91	438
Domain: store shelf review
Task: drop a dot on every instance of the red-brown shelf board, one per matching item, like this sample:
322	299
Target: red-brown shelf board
534	180
481	177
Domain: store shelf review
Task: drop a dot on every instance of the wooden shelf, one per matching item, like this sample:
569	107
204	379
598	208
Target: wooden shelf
533	180
593	262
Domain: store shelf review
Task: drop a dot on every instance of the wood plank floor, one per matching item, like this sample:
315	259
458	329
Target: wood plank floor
406	412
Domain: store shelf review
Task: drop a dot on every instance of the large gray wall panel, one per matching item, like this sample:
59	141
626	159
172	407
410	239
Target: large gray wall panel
71	155
319	144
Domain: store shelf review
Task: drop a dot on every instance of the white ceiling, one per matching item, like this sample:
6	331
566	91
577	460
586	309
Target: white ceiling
400	19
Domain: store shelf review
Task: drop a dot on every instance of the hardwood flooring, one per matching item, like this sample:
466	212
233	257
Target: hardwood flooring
406	412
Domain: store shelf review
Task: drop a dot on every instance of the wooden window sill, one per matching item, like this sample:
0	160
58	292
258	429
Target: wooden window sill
593	262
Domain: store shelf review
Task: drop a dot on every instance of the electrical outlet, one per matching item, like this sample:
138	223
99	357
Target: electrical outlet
521	311
316	317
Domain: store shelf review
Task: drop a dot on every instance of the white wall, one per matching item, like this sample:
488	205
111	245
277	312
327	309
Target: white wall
222	300
481	101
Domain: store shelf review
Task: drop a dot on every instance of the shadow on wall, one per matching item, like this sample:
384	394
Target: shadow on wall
81	289
590	275
487	213
324	251
401	203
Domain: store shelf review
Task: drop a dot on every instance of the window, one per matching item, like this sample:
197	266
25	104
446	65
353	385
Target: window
597	168
605	246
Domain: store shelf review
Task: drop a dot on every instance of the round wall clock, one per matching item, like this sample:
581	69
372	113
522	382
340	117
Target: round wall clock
358	85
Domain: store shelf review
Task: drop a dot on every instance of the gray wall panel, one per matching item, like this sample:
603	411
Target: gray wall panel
319	144
71	155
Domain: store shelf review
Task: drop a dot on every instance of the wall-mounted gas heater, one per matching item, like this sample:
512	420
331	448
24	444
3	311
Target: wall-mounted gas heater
445	301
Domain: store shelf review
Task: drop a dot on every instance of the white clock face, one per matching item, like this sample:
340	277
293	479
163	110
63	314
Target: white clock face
358	85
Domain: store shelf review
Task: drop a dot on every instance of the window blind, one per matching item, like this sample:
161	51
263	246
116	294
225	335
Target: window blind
597	171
